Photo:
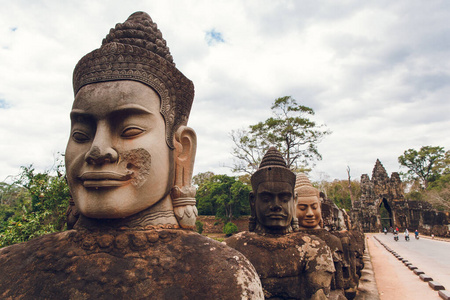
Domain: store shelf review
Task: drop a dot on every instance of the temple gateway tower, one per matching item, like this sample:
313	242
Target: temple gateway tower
383	205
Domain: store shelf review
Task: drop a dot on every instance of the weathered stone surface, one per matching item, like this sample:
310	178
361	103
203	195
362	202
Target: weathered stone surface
291	266
335	245
436	285
157	264
353	246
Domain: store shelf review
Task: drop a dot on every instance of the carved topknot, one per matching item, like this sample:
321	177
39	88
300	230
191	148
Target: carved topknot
139	30
302	180
304	187
272	168
135	50
273	157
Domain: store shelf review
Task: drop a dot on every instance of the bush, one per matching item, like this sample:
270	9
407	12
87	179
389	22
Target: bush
199	226
230	228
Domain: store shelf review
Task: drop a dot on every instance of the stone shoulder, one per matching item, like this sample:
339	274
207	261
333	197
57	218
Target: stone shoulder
161	263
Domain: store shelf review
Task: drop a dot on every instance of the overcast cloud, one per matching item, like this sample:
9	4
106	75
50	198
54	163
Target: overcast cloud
376	73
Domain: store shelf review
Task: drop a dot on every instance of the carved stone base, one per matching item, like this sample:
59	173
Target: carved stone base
130	264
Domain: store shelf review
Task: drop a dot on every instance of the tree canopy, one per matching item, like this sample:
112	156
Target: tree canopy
290	130
427	164
223	196
35	204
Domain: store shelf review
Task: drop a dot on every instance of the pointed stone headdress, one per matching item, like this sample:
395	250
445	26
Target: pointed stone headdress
136	50
272	168
303	186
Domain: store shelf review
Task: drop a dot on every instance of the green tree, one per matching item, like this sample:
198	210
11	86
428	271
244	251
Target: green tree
427	164
338	191
290	130
43	209
223	196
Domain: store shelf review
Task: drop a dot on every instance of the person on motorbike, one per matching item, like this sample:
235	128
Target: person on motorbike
385	230
406	235
416	234
395	235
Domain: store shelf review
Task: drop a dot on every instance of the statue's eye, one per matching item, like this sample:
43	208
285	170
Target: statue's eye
132	132
80	137
286	198
266	197
301	207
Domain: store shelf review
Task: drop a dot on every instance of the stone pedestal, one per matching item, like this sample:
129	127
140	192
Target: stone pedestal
130	264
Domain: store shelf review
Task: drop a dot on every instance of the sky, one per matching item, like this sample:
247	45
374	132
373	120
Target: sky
376	73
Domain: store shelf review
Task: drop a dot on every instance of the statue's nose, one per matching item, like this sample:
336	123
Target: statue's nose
102	150
276	204
96	156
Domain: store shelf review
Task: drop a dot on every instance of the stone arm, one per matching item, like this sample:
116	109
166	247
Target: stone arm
319	270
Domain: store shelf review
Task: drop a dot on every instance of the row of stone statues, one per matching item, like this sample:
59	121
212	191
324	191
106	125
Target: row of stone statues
129	163
295	257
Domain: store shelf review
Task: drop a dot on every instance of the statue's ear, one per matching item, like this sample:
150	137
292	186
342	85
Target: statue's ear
185	141
183	193
252	199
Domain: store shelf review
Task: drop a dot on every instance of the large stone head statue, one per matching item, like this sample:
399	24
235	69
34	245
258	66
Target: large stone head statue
309	211
130	154
273	200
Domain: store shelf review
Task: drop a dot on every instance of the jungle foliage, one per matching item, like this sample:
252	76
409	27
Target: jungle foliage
339	192
33	205
428	175
223	196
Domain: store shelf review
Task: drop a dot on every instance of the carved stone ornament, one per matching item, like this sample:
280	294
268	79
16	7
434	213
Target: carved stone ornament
136	50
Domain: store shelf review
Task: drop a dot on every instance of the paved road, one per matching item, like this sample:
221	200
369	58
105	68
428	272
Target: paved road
394	281
430	256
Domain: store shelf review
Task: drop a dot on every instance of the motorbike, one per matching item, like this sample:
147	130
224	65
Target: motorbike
407	238
385	231
417	237
396	237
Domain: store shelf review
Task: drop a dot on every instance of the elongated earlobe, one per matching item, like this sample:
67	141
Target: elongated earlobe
183	193
252	220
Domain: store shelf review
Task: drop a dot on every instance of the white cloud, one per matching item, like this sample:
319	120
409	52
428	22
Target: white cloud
377	73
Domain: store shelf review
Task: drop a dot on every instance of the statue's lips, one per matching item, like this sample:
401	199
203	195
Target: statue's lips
105	179
309	220
276	216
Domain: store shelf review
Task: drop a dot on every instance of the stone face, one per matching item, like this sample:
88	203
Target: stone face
129	163
402	213
291	266
160	263
272	200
